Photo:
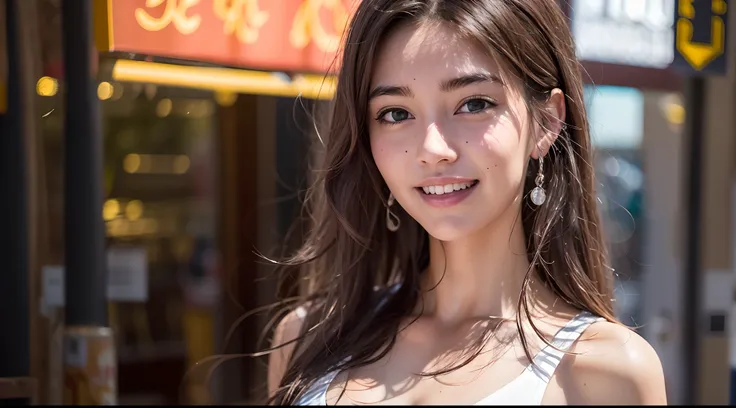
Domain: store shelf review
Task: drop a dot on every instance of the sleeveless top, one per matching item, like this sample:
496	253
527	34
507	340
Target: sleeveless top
526	389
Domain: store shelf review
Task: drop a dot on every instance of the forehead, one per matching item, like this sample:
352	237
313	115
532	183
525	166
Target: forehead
431	51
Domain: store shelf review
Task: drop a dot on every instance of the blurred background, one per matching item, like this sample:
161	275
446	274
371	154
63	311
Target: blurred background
194	118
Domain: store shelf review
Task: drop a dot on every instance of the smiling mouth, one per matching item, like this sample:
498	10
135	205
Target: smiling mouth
447	188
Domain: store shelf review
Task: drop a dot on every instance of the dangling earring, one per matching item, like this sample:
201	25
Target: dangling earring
538	195
392	221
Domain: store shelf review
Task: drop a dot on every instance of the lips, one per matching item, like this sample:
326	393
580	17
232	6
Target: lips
448	188
446	192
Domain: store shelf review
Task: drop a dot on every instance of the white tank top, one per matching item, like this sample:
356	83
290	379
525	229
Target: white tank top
526	389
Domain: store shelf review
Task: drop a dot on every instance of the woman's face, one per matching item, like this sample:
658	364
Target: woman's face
450	138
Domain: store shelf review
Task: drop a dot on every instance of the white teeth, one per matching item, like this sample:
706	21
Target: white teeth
446	189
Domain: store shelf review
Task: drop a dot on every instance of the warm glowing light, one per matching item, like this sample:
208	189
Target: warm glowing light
110	209
134	210
225	79
132	163
47	86
163	107
225	98
105	91
675	113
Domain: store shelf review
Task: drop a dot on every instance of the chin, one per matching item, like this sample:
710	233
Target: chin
450	230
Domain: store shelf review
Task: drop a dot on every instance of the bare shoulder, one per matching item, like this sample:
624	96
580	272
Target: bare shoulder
286	331
612	364
289	327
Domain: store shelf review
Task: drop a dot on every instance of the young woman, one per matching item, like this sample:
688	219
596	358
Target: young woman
456	253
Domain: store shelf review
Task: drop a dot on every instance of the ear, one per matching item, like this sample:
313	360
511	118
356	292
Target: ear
555	118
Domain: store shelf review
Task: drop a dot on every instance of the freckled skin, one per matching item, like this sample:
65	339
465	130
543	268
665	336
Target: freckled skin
442	136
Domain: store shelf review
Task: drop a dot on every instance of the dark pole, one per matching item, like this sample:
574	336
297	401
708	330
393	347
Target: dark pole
14	300
691	329
84	238
89	347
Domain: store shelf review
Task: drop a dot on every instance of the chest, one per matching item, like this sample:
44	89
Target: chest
496	372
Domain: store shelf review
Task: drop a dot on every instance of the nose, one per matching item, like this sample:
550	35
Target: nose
435	148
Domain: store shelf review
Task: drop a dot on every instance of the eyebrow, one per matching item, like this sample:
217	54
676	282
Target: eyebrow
446	85
471	79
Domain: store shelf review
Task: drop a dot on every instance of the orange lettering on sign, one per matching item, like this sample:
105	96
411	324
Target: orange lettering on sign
175	11
243	17
308	27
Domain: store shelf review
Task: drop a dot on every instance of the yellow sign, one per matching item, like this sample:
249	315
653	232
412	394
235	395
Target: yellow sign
697	54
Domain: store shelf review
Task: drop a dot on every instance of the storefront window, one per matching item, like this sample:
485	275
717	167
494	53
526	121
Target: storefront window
160	209
616	127
623	159
160	216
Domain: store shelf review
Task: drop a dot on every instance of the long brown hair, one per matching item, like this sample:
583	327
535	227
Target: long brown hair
349	252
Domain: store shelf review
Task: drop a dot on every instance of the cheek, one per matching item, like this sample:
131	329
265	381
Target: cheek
504	144
386	155
505	157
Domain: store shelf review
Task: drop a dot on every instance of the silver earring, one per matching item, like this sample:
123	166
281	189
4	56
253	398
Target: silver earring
392	220
538	195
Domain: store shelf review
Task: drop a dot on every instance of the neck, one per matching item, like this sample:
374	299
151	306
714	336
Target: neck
479	276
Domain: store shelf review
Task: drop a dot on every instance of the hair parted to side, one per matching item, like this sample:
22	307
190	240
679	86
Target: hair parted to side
349	251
